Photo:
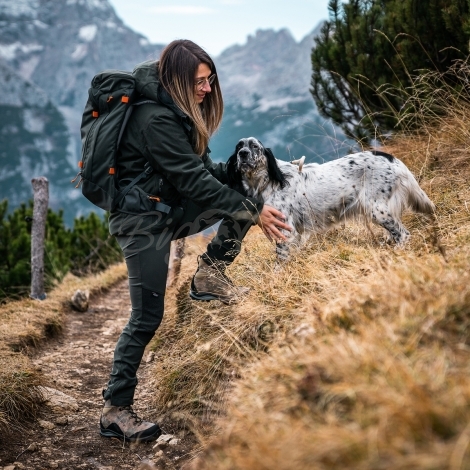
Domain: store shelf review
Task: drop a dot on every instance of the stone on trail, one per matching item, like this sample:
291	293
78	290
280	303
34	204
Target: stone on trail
80	300
46	424
160	445
58	401
62	420
34	447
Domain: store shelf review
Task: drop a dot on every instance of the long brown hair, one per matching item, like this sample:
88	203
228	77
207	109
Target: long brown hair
178	65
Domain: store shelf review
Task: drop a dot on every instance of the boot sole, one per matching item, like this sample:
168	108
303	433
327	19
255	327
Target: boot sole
205	297
111	433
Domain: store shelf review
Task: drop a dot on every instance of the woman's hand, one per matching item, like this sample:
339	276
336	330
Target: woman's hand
271	221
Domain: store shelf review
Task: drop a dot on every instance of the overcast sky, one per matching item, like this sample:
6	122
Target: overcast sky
218	24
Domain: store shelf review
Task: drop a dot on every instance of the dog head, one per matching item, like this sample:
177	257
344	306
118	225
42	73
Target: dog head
252	166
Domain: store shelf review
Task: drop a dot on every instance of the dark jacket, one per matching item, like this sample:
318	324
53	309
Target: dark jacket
161	135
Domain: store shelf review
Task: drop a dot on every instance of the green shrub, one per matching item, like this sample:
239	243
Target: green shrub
84	249
367	54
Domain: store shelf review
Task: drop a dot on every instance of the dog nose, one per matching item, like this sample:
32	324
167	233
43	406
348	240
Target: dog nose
243	154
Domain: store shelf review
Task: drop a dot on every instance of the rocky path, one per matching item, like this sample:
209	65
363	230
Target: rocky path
76	368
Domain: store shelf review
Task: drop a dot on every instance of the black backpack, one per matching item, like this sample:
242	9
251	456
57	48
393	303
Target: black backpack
111	99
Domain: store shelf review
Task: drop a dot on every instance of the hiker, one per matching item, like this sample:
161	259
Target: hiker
187	193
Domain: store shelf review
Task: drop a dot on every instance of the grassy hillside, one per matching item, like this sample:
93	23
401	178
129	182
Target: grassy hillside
355	354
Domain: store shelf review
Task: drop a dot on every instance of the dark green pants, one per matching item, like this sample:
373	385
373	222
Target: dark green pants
147	255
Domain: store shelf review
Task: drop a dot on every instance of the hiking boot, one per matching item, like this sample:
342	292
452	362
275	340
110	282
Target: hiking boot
211	283
123	423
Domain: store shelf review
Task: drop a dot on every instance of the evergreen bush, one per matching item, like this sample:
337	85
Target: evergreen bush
86	248
367	53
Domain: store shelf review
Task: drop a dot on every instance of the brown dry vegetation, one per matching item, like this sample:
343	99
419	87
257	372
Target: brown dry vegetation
24	325
354	354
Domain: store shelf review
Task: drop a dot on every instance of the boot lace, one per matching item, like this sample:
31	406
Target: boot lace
225	278
133	414
220	273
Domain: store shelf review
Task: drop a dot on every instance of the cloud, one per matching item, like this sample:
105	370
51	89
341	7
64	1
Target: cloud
182	10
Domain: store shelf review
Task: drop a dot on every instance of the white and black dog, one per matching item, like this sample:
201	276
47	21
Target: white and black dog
315	197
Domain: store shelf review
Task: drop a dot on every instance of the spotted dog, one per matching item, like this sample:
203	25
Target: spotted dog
315	197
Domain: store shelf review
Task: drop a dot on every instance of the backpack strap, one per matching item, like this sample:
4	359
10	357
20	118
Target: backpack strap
122	194
128	115
148	170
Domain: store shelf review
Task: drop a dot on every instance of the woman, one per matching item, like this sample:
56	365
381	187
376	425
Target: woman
183	194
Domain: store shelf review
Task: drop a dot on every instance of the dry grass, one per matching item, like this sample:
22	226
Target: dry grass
25	324
201	347
375	379
353	355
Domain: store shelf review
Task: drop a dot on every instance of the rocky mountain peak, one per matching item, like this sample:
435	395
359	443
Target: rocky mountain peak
271	64
91	38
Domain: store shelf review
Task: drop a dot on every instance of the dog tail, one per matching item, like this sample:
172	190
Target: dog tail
418	200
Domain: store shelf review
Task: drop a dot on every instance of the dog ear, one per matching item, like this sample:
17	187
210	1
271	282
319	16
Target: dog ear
274	172
233	175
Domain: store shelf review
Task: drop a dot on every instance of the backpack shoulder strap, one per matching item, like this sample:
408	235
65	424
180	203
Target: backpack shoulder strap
148	170
128	115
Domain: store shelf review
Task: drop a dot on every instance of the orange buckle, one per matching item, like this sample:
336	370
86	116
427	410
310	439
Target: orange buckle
112	171
80	164
95	114
125	99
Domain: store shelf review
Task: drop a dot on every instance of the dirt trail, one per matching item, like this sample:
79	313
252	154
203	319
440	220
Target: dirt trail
78	364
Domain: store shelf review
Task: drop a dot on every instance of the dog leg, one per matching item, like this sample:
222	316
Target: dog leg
396	230
283	248
282	251
381	215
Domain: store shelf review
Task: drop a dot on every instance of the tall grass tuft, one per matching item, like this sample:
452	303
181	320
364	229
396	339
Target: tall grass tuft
20	398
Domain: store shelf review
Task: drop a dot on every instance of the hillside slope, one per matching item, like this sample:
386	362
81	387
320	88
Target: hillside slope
352	355
371	368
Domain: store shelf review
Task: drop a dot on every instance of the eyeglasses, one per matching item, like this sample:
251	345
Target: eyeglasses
200	84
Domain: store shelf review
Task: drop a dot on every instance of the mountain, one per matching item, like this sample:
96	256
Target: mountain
265	84
60	45
33	139
50	50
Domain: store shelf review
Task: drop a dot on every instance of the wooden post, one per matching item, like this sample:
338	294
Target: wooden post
38	232
176	255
